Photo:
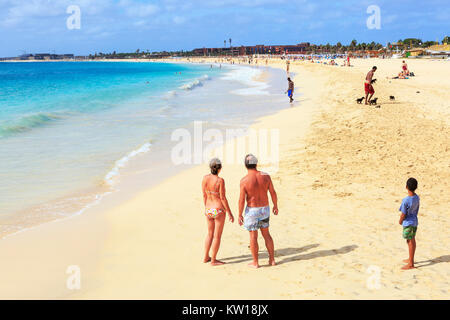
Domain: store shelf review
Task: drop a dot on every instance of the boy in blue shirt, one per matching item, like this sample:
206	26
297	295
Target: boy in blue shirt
408	219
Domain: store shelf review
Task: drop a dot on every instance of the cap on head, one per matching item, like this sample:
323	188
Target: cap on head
251	161
215	165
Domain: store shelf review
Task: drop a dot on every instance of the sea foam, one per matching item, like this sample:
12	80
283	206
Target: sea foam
112	175
196	83
247	76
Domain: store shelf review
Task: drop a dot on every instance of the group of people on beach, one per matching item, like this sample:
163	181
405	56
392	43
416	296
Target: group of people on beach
254	189
404	74
368	87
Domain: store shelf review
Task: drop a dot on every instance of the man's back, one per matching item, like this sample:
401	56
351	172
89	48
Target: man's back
369	76
291	85
256	185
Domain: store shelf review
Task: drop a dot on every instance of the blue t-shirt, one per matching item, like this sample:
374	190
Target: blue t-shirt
410	207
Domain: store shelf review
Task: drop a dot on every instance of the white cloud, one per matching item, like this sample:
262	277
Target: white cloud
20	11
390	18
179	20
139	10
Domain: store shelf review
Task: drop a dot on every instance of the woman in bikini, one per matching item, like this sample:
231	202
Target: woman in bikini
216	205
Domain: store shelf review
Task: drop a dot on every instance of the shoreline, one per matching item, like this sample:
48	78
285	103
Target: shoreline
98	193
72	224
326	192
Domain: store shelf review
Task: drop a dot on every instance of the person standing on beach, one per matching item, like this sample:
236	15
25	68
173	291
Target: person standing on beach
405	68
287	65
253	189
368	88
290	90
216	205
408	219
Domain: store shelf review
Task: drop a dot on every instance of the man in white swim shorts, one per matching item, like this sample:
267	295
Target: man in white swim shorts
254	188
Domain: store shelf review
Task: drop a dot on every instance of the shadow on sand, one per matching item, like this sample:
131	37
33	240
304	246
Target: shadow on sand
294	253
431	262
319	254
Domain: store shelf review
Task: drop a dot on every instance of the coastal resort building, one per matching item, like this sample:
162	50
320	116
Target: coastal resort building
301	48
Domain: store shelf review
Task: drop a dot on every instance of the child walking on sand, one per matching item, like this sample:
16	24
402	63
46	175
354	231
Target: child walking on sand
408	219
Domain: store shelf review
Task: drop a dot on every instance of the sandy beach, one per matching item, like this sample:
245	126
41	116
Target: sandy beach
340	182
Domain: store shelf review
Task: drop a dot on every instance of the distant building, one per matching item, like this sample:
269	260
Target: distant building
25	56
67	56
415	52
439	51
47	56
42	56
300	48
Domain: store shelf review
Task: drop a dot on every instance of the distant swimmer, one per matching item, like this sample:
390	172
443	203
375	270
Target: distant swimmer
368	88
290	90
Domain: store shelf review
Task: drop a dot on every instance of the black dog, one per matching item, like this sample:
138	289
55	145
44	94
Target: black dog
392	97
359	101
373	101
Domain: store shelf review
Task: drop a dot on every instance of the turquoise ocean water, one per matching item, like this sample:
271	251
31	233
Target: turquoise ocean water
68	128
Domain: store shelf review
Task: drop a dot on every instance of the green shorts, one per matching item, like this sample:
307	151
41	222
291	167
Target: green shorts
409	232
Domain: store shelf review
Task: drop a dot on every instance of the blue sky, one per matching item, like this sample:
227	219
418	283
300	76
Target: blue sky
126	25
